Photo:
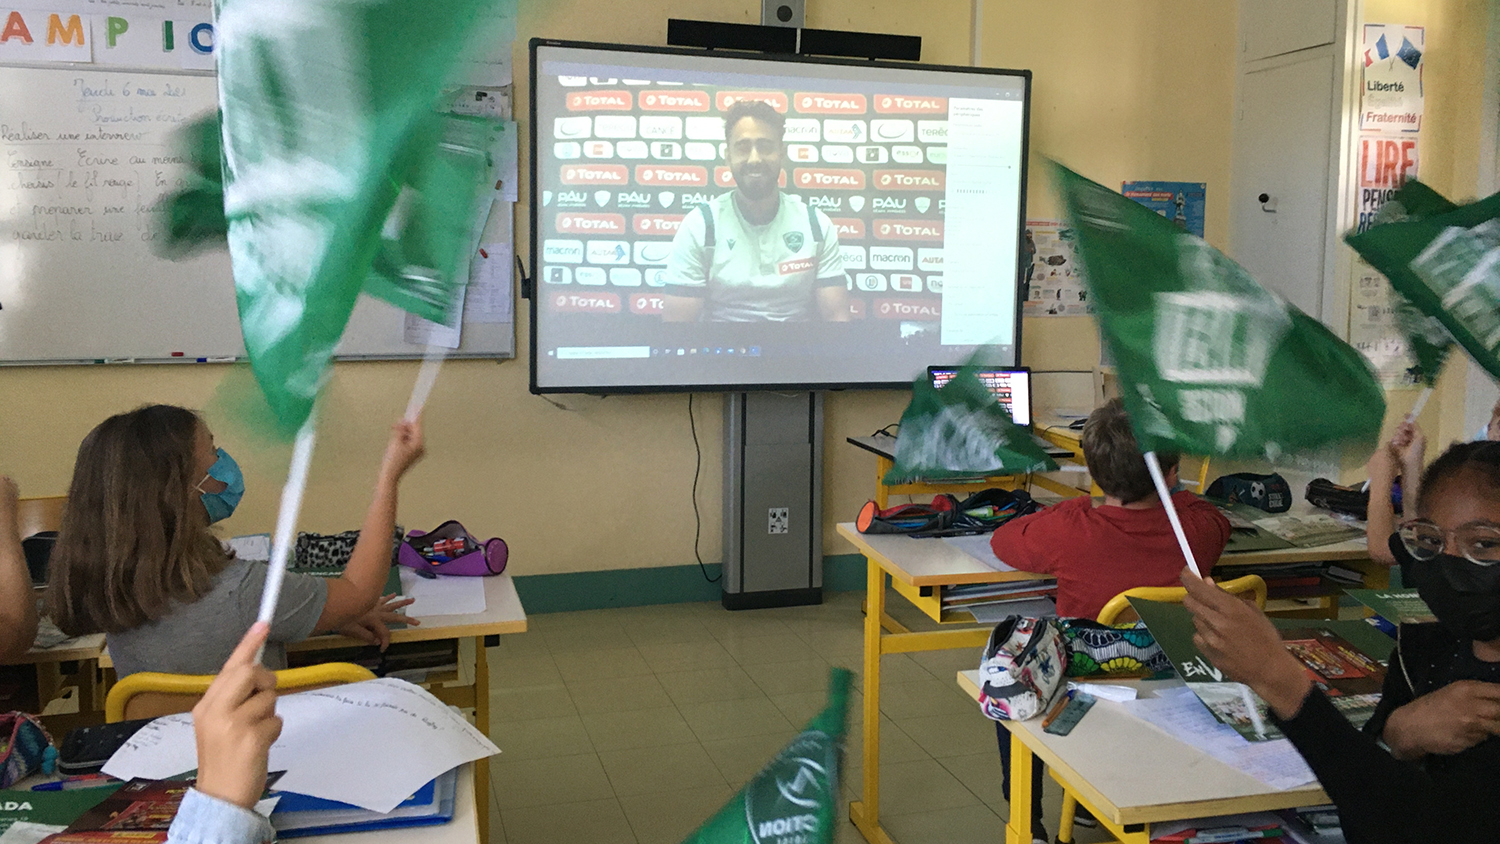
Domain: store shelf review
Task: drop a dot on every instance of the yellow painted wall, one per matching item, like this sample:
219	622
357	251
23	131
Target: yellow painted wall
1123	91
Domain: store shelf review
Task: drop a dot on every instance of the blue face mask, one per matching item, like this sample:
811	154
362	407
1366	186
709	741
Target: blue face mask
220	505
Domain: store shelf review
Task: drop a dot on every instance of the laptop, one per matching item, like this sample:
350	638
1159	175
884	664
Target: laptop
1011	387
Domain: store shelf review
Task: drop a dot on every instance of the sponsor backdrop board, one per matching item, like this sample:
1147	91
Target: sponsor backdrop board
902	187
90	156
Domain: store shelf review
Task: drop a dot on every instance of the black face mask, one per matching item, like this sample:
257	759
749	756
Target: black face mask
1464	596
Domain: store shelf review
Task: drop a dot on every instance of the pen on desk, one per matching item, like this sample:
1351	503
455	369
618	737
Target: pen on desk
71	783
1057	709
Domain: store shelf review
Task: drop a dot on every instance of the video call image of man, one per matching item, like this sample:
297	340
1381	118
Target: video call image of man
755	254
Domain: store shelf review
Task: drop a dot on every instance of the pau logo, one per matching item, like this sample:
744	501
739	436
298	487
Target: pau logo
789	802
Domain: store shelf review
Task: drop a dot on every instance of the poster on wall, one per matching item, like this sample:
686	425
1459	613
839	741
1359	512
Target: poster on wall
1391	97
1385	164
1053	282
1180	202
1373	329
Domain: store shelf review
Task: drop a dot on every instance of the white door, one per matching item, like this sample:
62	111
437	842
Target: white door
1279	201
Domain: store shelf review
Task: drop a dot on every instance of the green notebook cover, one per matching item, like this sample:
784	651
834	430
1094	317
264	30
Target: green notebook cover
1398	606
54	808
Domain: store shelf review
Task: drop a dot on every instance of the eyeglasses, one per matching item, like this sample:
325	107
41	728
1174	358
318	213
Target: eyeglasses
1478	542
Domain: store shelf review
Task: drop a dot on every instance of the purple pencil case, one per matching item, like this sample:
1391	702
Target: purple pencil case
448	549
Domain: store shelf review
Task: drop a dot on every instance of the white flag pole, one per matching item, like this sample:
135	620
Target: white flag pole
1416	409
286	521
432	361
1154	467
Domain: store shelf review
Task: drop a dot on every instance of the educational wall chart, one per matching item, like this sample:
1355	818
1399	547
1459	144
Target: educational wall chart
1180	202
1391	96
1053	281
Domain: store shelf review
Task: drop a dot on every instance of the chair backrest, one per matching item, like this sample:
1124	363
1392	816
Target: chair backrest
149	694
1250	587
38	514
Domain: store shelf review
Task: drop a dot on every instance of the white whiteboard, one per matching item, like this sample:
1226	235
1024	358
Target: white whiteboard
87	156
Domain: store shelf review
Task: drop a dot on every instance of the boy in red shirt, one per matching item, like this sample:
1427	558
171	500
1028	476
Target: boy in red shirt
1097	552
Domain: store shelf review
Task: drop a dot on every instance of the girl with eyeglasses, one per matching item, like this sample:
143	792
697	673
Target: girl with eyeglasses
1427	766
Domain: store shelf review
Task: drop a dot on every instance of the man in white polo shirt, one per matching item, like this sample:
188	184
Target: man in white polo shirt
755	253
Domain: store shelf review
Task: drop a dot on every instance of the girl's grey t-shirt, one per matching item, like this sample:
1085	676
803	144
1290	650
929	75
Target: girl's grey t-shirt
196	638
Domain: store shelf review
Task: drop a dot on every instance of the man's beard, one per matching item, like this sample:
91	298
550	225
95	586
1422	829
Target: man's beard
756	183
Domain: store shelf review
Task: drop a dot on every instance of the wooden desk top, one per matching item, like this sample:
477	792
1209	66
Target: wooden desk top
1136	773
932	562
80	647
463	829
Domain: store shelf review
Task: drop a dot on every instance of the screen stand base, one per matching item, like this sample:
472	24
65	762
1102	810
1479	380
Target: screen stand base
773	500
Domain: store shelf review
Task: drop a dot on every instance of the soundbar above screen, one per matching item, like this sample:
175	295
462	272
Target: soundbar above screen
704	221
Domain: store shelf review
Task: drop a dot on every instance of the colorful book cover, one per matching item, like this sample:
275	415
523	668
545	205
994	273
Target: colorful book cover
1398	606
1345	659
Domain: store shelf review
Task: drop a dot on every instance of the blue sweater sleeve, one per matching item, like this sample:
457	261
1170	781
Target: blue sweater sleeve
202	819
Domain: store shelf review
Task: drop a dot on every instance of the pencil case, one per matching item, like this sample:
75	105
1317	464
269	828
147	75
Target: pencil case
449	549
28	748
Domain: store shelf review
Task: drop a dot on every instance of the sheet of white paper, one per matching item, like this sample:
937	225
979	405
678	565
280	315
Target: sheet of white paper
505	164
425	332
25	832
492	66
255	546
491	294
1105	691
1179	713
995	613
370	744
443	596
265	807
479	101
979	548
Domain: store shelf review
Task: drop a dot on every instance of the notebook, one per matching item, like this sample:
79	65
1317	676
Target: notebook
299	815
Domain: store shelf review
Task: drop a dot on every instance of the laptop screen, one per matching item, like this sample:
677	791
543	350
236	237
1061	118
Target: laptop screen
1010	387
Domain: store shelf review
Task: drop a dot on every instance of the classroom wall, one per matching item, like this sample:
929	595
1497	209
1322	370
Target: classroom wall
577	483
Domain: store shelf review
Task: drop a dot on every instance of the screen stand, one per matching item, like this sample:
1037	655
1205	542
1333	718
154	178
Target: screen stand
773	500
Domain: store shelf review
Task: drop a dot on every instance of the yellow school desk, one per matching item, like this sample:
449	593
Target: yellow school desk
1129	774
883	446
919	569
463	829
83	653
502	614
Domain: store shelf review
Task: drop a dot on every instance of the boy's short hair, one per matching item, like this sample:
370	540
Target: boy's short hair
1114	457
758	110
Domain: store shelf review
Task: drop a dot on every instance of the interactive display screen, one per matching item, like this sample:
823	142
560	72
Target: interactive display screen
1010	387
712	221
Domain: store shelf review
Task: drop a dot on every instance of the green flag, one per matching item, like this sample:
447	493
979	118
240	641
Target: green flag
1209	361
1427	339
329	115
961	431
794	799
1447	265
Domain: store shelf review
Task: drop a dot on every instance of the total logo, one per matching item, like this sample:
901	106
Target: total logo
647	303
870	282
631	149
625	277
614	126
662	128
653	252
601	302
924	308
632	199
908	154
592	276
803	130
852	256
811	178
705	128
658	224
608	252
909	230
890	258
674	100
775	99
600	101
838	154
595	174
567	199
926	180
845	131
849	228
905	283
562	251
896	104
690	175
809	103
932	131
599	149
893	131
601	223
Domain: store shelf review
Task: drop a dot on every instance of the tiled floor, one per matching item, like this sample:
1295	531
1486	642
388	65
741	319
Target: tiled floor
632	726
